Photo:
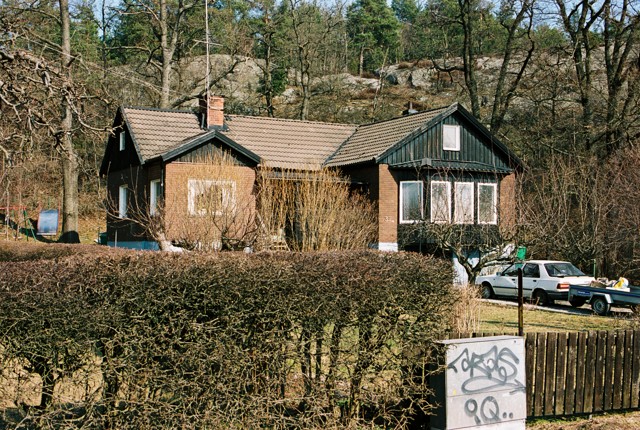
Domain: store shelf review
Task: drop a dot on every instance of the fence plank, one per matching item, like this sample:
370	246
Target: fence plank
589	371
618	371
561	367
599	372
628	365
530	365
607	375
570	384
635	372
541	353
579	372
550	377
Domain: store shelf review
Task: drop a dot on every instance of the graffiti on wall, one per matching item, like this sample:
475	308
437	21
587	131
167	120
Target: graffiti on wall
486	380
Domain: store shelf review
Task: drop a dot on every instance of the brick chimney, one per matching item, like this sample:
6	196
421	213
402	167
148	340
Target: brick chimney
213	111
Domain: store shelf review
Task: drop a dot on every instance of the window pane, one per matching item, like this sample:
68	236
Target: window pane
156	196
210	197
122	201
463	204
440	202
451	137
487	210
411	201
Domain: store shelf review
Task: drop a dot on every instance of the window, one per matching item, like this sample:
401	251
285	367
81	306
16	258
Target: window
122	140
487	204
531	270
463	203
155	196
208	197
122	201
440	201
512	270
411	201
451	137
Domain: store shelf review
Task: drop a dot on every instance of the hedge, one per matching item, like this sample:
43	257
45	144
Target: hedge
267	340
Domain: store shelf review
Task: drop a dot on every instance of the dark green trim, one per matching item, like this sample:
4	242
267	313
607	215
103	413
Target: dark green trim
467	166
204	138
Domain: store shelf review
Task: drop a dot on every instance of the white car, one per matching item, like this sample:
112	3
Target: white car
542	281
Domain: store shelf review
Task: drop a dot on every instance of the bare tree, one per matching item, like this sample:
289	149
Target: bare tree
42	98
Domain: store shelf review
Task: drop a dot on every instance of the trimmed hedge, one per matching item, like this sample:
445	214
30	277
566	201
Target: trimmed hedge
270	340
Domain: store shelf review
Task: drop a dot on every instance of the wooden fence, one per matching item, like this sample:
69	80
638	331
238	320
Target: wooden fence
580	372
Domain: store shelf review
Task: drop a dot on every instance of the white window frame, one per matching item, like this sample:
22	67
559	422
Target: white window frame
431	199
197	186
122	140
402	216
154	197
458	201
453	142
494	219
123	192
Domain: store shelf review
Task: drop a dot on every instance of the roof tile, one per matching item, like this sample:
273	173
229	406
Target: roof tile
371	140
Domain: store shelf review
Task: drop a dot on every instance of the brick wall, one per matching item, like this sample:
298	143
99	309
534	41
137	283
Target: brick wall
383	191
388	206
178	221
507	205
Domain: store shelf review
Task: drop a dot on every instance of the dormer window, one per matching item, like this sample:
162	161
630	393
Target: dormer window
122	136
451	137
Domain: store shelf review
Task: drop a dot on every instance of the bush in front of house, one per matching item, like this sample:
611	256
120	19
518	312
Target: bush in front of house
270	340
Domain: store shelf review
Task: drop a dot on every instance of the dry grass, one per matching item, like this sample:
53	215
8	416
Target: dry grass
625	421
503	318
467	310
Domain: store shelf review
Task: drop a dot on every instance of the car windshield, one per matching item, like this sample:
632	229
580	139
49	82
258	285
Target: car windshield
562	269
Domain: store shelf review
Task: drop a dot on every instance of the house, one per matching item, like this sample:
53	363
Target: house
438	166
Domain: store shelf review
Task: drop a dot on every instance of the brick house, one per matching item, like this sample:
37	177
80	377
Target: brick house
438	166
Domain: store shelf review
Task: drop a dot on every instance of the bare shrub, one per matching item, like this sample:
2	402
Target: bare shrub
315	208
269	340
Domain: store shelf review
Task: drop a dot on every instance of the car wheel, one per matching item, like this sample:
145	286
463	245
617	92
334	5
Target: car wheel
486	292
600	306
576	302
540	298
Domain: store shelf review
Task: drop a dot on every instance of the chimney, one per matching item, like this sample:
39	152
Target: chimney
213	111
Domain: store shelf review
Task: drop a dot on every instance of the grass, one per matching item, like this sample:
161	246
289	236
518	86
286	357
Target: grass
504	318
621	421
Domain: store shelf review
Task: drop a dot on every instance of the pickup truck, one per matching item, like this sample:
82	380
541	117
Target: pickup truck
543	281
601	299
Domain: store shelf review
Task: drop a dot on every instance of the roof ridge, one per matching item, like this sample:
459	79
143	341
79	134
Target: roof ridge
407	115
151	109
306	121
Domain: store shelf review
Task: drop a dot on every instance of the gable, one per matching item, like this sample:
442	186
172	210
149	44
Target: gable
115	158
478	149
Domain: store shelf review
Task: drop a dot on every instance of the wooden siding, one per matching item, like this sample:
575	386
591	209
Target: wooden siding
474	147
209	150
116	160
580	373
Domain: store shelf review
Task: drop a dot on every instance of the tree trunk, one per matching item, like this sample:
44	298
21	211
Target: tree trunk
70	168
167	56
469	56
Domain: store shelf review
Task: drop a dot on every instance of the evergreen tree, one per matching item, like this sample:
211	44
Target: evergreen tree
373	30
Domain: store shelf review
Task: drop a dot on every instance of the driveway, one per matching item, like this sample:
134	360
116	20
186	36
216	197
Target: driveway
561	306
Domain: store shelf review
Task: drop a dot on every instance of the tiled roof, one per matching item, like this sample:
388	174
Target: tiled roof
275	142
371	140
283	143
156	131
